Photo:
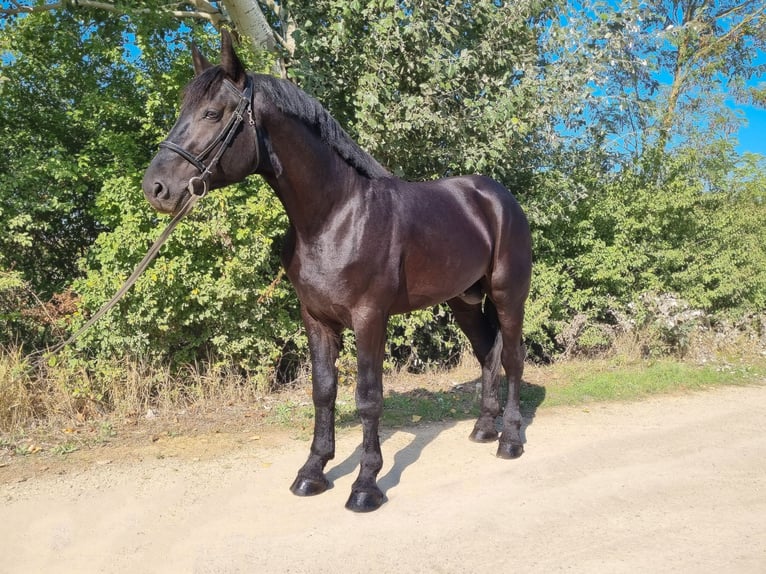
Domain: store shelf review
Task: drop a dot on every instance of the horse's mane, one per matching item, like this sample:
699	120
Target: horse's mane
291	100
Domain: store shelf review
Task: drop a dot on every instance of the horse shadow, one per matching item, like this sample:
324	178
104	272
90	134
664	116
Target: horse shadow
409	404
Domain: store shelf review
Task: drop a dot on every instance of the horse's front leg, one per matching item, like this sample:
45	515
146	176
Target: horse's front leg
324	344
370	333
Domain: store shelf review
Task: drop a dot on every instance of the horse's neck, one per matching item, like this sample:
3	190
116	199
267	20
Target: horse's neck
314	180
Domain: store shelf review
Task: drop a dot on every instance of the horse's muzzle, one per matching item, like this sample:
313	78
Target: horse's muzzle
159	194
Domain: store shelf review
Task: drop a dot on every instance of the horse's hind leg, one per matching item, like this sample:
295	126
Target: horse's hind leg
508	288
324	344
511	317
482	331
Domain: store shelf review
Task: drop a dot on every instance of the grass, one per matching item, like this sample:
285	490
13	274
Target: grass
42	408
454	395
579	382
570	383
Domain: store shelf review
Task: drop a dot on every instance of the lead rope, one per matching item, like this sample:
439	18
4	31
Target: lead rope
140	268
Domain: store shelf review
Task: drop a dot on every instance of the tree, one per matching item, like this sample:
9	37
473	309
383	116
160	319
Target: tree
647	154
65	112
655	74
706	45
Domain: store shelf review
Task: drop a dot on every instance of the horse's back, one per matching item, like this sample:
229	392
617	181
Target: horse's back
464	204
470	190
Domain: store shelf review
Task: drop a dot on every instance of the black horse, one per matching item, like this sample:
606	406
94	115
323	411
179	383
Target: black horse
362	246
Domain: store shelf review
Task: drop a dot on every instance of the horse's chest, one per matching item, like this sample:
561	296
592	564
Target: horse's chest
328	277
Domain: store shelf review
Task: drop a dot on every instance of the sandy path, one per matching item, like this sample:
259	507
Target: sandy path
669	484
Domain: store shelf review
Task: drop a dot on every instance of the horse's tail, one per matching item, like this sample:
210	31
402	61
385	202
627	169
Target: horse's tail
492	362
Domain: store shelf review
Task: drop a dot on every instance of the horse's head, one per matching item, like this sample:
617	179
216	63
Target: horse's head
214	142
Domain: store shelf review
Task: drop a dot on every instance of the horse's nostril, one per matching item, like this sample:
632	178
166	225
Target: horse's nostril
160	191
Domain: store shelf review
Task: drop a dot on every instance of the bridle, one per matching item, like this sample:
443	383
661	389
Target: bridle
224	138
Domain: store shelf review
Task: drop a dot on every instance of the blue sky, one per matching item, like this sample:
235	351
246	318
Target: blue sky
752	138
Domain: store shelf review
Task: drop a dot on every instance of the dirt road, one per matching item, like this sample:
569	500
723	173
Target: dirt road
670	484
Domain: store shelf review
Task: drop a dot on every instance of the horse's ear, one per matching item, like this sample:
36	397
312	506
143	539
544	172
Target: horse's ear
200	62
229	60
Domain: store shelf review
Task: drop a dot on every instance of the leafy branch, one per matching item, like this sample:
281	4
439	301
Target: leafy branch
203	10
245	15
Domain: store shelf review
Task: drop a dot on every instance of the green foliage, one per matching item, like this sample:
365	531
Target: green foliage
209	295
695	232
424	339
87	132
429	88
627	189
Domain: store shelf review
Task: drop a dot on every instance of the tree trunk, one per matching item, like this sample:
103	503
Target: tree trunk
249	20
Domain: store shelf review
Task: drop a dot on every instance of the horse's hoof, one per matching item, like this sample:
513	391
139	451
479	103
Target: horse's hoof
365	500
478	435
509	451
303	486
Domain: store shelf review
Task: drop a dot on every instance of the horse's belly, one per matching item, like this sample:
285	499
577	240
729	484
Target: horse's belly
430	278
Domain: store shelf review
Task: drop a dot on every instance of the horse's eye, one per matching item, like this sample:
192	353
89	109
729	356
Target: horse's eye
211	115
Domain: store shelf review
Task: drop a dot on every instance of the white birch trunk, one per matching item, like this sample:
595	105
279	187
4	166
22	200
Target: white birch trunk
249	20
